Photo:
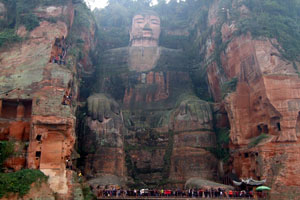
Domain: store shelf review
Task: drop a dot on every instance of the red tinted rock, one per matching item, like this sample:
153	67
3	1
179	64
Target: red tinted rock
15	163
19	130
265	101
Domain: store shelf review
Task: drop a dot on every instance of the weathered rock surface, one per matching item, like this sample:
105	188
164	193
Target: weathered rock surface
144	124
33	111
265	101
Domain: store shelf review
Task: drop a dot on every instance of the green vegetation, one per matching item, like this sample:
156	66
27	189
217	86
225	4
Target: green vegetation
21	12
220	47
200	85
167	159
8	36
30	21
269	18
6	150
221	151
87	193
20	181
82	21
229	86
82	17
255	141
132	169
275	19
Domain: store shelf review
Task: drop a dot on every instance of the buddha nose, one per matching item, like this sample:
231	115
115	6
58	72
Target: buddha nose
147	27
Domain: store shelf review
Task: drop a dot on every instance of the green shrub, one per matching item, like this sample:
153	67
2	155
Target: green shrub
30	21
20	181
2	23
52	20
6	150
87	193
8	36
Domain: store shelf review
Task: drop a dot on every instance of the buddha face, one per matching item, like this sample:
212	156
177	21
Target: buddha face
145	30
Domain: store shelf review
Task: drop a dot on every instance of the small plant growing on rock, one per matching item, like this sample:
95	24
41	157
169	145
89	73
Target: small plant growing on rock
229	86
255	141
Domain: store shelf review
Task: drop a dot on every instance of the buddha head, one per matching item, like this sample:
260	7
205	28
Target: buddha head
145	29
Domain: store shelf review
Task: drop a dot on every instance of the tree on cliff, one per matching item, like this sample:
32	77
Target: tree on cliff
275	19
221	151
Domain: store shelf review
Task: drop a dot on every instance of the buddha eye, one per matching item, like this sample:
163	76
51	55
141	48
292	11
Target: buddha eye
139	21
155	22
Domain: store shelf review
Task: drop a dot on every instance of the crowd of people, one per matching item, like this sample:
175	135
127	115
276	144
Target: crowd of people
158	193
59	51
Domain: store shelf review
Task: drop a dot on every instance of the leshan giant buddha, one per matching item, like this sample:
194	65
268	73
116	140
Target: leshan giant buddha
144	110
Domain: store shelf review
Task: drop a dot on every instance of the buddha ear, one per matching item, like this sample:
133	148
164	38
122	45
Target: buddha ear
131	36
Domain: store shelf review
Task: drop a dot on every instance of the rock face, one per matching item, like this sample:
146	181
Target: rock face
143	125
38	100
263	111
265	101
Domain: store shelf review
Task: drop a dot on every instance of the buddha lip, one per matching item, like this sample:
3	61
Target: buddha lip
147	32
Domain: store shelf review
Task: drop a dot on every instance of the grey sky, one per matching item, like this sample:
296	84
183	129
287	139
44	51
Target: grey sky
102	3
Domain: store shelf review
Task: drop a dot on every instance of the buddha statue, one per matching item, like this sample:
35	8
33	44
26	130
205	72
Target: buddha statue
144	73
142	89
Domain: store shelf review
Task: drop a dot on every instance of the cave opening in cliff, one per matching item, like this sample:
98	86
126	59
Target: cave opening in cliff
265	128
278	126
275	123
15	118
38	154
10	110
262	128
39	138
259	129
298	123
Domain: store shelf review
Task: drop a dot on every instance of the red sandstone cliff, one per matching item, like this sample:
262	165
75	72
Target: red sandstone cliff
38	98
265	101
